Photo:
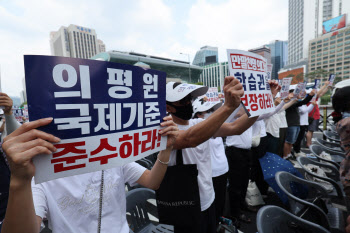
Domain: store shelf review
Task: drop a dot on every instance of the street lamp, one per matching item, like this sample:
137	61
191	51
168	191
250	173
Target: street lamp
189	65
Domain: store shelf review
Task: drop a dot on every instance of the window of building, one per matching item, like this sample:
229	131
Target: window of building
325	53
325	48
325	57
312	68
339	68
339	54
347	38
332	42
319	59
324	40
339	45
340	49
319	46
319	54
331	56
319	50
332	51
347	53
312	48
332	37
331	70
332	46
326	44
345	77
313	52
346	72
313	60
339	59
346	57
324	66
347	32
338	73
325	62
340	40
332	60
318	63
320	41
340	35
339	64
347	47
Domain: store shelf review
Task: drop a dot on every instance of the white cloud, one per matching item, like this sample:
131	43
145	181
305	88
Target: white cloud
237	24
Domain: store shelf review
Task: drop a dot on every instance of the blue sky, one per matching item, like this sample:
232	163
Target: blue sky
157	27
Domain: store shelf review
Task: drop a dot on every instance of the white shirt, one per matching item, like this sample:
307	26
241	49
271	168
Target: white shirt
199	155
283	120
273	125
304	113
71	204
219	164
243	141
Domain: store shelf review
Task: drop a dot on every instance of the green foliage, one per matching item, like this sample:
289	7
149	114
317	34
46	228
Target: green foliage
22	105
199	83
325	99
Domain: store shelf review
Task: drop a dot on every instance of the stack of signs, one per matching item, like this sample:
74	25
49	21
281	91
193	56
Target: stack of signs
316	87
212	94
285	87
106	114
18	114
250	70
331	79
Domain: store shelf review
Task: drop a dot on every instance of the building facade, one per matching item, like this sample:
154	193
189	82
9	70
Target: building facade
213	75
305	18
205	56
331	52
279	56
74	41
176	70
101	46
263	51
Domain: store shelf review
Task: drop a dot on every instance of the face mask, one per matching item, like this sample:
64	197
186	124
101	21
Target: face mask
183	112
207	115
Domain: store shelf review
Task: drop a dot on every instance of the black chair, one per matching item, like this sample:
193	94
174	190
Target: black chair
335	146
332	177
138	207
331	136
313	204
272	219
337	157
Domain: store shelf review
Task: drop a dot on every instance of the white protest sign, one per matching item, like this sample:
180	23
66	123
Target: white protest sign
316	87
212	94
331	79
250	69
297	90
285	87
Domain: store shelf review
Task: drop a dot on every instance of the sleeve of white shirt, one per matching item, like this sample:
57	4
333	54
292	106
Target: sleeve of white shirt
132	172
39	199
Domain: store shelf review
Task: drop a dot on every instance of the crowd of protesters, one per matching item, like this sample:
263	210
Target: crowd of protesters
195	127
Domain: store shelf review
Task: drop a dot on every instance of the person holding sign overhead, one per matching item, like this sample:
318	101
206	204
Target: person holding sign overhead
71	203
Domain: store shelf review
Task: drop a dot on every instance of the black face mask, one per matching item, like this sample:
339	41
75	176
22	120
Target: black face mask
183	112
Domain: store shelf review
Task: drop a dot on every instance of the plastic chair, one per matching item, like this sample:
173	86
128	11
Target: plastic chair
331	136
138	207
333	176
305	205
329	145
271	219
337	157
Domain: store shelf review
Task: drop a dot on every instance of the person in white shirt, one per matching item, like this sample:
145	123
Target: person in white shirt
219	164
304	111
194	135
71	204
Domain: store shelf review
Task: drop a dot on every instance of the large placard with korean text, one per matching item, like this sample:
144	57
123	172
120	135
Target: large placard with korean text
106	114
250	69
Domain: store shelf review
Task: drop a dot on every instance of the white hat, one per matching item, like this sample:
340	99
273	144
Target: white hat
179	92
200	106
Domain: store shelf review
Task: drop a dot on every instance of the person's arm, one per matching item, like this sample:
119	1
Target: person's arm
20	147
235	128
289	104
267	115
2	127
153	178
323	90
306	100
11	123
308	108
204	130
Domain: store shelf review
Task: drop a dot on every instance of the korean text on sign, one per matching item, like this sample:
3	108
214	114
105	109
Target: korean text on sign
250	69
285	87
106	114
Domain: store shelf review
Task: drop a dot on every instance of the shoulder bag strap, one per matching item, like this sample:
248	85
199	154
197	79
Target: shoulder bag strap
179	159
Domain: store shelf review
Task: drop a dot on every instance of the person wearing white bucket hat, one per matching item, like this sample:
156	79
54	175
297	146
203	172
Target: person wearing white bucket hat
219	164
194	134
